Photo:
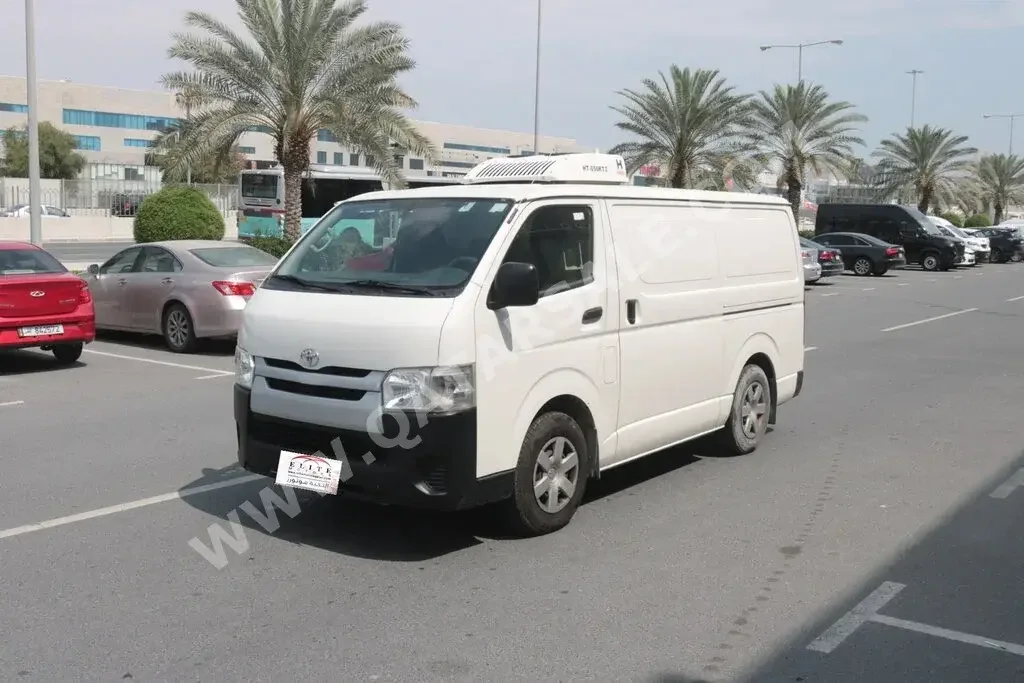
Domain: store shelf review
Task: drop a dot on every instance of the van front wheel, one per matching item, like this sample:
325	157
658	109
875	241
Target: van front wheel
550	477
748	417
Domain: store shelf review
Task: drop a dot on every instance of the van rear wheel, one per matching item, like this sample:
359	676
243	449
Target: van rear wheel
550	477
748	417
930	262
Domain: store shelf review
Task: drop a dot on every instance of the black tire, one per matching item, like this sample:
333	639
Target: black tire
880	271
863	266
734	438
66	354
996	256
1017	257
931	262
524	513
179	330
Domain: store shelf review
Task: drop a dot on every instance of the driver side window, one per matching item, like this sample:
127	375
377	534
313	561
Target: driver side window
559	242
123	262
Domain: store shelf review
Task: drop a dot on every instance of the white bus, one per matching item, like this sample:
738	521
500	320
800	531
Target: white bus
261	192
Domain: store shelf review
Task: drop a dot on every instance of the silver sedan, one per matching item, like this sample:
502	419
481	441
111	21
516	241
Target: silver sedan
184	290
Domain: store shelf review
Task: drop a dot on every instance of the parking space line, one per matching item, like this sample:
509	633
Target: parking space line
124	507
219	374
10	404
855	618
811	348
928	320
902	284
153	361
1016	298
1010	485
832	294
868	289
970	639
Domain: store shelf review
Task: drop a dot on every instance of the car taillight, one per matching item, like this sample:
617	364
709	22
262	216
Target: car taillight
84	295
228	288
892	251
805	254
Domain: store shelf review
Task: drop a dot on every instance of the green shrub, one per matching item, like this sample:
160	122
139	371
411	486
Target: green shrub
978	220
807	234
275	246
178	212
954	218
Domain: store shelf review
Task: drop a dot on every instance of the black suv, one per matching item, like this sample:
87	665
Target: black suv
1007	244
903	225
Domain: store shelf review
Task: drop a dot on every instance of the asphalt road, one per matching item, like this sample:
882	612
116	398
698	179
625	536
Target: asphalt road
683	567
85	252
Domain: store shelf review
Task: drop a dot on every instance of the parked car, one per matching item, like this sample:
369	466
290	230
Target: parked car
969	259
21	211
903	226
1007	243
829	259
42	305
980	243
812	269
864	254
184	290
125	205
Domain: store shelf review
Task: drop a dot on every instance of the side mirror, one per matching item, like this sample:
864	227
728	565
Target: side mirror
516	284
94	269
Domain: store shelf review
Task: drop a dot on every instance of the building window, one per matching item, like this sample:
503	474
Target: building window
457	164
477	148
353	159
16	108
339	158
325	136
321	157
90	143
247	150
415	164
267	130
103	119
137	142
133	173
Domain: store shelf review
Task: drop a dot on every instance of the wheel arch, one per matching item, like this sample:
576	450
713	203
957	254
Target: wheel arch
761	350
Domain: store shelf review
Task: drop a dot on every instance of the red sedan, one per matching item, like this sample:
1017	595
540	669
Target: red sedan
42	305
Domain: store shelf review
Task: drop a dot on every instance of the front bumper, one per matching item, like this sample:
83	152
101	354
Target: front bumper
438	472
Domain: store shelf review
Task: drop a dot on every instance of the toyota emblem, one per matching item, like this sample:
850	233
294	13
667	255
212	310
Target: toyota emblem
310	358
37	293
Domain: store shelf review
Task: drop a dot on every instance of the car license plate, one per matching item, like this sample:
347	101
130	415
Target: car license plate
309	472
41	331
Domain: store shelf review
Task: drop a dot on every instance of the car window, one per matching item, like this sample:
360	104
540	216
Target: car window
559	242
861	242
28	262
234	257
159	260
122	262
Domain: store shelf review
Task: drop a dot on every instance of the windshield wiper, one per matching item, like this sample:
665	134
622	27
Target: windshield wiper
389	286
302	282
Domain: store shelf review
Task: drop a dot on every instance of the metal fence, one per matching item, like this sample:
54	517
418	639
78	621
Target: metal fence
102	197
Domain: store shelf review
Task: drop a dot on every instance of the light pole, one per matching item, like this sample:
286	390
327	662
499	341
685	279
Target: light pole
799	47
35	204
913	93
1007	116
536	87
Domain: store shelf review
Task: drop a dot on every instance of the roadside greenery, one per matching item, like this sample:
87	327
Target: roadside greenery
57	156
178	212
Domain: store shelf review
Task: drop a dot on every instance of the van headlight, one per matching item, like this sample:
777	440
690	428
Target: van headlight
440	391
245	368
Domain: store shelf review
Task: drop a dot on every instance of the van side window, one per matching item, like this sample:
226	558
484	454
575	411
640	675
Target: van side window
559	242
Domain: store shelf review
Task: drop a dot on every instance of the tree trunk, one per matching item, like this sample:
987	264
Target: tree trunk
678	179
997	213
924	201
793	190
292	201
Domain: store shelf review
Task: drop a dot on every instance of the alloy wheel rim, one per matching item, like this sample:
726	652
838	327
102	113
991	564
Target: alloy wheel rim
556	474
177	328
753	409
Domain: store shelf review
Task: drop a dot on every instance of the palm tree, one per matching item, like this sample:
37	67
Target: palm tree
931	163
688	123
799	128
1000	181
303	68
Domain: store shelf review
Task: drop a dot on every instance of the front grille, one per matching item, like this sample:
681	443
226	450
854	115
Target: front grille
337	393
299	438
329	370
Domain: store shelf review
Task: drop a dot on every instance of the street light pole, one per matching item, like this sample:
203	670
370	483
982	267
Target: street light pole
1007	116
35	204
536	87
799	47
913	93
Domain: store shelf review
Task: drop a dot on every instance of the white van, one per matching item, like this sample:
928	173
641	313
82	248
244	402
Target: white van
507	339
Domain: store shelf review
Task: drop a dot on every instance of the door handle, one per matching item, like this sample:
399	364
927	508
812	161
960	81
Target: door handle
631	311
167	281
592	315
122	282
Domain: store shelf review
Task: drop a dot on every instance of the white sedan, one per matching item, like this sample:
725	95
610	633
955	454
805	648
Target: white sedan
21	211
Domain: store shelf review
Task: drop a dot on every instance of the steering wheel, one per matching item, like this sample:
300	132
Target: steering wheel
467	260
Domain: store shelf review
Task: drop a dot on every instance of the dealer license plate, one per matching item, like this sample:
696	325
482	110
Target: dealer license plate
309	472
41	331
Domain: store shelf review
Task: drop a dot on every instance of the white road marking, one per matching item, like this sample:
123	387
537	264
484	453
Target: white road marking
855	618
958	277
124	507
1016	298
811	348
9	404
902	284
931	280
832	294
928	320
219	374
158	362
1010	485
868	289
970	639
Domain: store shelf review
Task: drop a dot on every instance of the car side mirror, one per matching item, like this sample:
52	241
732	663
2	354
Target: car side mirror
94	269
516	284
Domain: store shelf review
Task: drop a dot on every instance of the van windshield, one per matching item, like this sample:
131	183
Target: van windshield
408	246
927	225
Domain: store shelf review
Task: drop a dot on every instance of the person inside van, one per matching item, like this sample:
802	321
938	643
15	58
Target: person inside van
419	247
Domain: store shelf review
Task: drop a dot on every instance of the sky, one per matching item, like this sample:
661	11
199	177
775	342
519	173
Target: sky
475	58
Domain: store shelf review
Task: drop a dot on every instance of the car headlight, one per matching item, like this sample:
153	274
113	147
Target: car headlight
245	368
440	391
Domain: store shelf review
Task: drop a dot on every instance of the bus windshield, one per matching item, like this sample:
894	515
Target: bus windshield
406	246
259	185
